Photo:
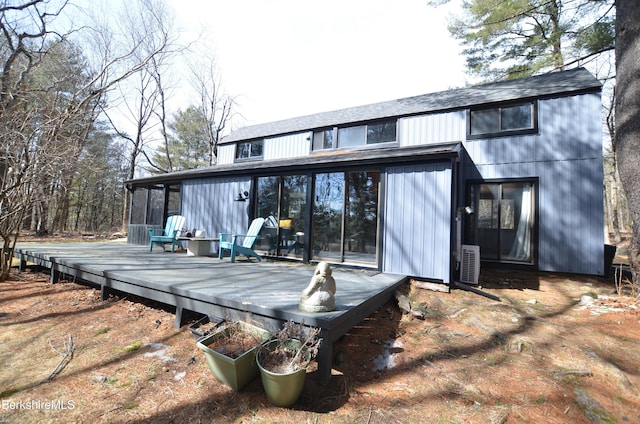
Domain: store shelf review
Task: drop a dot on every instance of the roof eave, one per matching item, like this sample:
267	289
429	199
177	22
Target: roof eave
336	160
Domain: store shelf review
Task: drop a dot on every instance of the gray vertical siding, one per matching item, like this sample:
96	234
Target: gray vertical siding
417	221
288	146
208	204
570	128
226	154
566	157
432	128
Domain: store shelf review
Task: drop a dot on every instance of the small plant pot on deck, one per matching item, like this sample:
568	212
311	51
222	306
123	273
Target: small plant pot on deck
282	386
230	352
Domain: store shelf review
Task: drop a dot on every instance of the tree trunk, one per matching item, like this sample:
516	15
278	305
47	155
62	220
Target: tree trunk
628	118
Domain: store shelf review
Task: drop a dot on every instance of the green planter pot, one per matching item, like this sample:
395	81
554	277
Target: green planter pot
281	389
234	372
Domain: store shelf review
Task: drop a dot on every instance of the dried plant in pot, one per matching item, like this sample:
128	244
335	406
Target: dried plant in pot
230	352
283	362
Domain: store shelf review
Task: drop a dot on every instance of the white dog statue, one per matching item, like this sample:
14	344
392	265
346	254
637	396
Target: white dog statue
319	296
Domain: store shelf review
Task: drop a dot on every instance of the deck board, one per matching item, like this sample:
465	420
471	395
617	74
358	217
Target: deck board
267	291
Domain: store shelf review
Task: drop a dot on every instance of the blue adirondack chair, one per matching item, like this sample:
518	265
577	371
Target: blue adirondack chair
167	235
230	242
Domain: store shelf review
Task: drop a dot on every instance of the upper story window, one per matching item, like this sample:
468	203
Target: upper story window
249	150
323	140
503	120
359	135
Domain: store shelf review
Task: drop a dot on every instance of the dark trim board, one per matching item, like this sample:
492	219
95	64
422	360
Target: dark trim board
268	292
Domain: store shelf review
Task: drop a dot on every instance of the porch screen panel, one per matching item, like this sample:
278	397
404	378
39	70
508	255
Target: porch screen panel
174	200
155	206
138	206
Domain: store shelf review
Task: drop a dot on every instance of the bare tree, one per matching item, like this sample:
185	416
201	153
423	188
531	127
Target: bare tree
216	106
39	143
149	27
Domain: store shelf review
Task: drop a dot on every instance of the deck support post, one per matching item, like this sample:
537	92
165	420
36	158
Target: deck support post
55	275
104	292
23	263
178	321
325	360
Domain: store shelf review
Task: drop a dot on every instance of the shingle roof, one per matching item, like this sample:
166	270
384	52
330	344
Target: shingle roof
576	80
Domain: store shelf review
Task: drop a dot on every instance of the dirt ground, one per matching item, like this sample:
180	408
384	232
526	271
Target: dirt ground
555	349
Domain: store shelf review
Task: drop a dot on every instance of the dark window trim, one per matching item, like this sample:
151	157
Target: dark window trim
250	158
507	133
362	146
308	219
535	234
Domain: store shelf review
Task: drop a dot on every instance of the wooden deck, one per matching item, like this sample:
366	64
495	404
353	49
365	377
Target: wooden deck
267	292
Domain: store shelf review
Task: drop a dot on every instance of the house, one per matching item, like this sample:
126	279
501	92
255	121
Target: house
513	167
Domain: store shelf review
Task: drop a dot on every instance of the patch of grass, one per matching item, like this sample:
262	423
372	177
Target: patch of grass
102	331
8	392
132	347
130	405
494	360
540	400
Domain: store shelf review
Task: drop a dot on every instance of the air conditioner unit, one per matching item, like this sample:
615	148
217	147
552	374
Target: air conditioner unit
470	264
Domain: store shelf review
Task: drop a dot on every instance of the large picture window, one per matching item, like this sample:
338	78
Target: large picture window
503	120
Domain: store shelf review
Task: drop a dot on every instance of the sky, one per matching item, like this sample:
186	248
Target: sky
285	58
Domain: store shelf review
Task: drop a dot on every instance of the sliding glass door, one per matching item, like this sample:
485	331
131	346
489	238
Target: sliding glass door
282	202
345	216
503	223
342	219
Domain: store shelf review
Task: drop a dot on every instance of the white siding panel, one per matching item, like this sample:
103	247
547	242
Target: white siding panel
288	146
432	128
226	154
418	221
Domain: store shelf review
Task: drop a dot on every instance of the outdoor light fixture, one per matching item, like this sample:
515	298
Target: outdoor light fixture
242	196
